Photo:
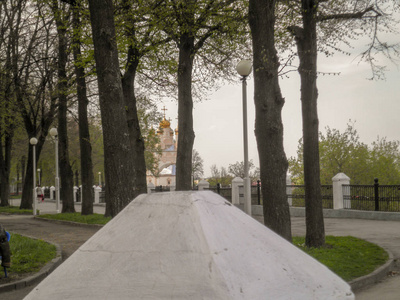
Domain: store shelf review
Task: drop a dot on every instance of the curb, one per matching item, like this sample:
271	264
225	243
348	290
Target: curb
375	276
38	276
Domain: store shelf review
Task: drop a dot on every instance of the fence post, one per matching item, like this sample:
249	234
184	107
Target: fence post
376	188
338	181
259	191
150	186
289	190
97	191
75	192
236	182
203	184
52	189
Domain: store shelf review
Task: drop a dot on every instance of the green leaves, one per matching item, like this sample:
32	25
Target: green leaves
343	152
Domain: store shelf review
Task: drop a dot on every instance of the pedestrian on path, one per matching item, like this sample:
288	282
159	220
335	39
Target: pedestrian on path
39	193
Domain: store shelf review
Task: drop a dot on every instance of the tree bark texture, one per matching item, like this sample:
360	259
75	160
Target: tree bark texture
84	135
268	125
136	139
185	114
27	189
5	164
306	40
66	174
118	160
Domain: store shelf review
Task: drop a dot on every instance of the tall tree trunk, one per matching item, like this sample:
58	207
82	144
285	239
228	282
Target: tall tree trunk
27	190
136	139
185	114
306	40
269	128
66	174
118	163
5	163
84	135
128	87
22	170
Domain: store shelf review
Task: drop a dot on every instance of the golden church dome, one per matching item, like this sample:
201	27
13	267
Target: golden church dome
164	123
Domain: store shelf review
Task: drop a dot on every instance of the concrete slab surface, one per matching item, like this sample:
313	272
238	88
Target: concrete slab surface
189	245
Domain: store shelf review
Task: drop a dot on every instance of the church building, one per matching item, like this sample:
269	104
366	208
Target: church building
167	161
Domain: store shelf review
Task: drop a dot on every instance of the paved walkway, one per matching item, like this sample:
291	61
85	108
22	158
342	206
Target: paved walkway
384	233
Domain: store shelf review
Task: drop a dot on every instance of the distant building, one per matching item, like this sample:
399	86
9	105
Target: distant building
167	161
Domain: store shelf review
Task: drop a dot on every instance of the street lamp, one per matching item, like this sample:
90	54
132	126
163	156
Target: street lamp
54	134
244	68
39	175
99	178
33	141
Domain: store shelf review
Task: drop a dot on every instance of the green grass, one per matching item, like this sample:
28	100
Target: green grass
348	257
15	210
27	256
77	217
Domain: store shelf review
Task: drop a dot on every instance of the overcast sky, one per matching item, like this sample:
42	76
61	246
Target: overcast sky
374	105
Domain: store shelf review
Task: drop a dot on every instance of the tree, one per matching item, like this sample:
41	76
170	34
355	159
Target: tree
197	166
8	109
119	167
84	134
269	129
61	17
385	158
203	31
340	152
312	12
343	152
220	176
237	169
32	78
136	49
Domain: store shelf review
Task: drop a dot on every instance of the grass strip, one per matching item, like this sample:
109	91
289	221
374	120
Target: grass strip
29	255
347	256
77	217
15	210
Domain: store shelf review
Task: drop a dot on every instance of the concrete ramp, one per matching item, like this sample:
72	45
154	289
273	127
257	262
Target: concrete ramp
188	245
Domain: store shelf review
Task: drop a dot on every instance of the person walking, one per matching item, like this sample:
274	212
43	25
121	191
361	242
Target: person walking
39	193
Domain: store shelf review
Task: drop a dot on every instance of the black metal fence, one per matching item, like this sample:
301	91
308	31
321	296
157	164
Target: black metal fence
46	193
102	197
297	194
160	189
372	197
225	192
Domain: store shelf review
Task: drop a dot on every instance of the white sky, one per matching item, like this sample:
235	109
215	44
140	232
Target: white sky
374	105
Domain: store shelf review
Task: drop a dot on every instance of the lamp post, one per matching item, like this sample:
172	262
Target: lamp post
99	178
54	134
244	68
39	175
33	141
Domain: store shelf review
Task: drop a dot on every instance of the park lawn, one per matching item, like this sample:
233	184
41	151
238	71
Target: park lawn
347	256
27	256
78	218
15	210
